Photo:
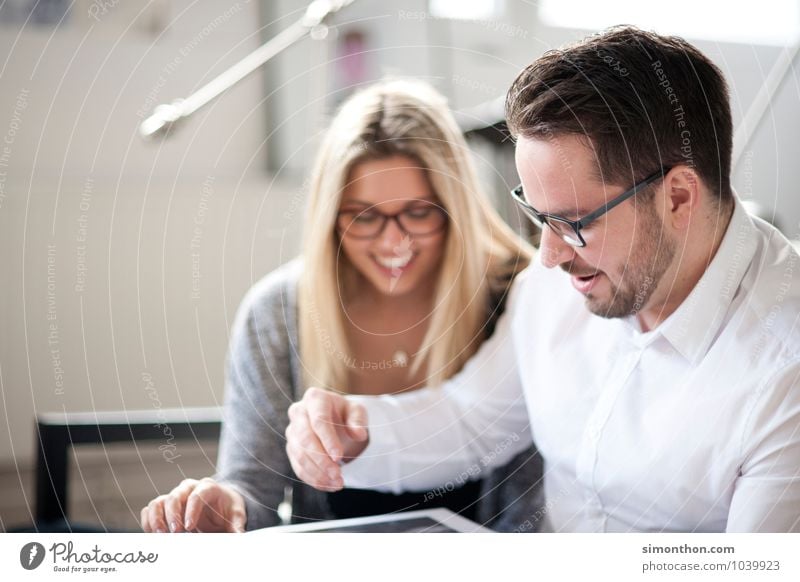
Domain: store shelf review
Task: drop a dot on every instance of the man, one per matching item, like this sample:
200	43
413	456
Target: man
660	376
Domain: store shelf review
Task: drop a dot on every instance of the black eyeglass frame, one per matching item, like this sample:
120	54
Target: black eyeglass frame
386	217
541	219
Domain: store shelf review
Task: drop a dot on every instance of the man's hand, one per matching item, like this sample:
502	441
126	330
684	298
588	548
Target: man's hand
324	430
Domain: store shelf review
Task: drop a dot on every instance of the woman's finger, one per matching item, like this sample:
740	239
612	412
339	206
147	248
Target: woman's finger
155	510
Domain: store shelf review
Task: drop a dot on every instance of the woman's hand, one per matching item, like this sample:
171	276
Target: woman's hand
196	506
324	429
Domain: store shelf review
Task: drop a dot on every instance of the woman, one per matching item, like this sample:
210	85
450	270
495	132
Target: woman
404	270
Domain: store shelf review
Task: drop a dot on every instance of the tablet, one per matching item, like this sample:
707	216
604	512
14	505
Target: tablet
438	520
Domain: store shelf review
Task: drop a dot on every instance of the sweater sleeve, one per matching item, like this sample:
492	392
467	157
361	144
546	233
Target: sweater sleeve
258	391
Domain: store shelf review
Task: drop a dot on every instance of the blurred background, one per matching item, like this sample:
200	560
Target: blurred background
123	261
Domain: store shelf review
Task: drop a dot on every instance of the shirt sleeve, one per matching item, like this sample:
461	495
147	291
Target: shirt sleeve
766	496
444	435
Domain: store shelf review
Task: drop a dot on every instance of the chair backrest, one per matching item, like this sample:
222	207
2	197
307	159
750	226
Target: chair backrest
58	432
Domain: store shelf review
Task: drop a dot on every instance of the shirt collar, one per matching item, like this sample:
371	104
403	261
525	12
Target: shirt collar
696	322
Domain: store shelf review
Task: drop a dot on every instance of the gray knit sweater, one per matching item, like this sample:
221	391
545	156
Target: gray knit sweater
263	377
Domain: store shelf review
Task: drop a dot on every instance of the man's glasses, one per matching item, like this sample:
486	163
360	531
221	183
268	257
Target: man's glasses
570	230
420	218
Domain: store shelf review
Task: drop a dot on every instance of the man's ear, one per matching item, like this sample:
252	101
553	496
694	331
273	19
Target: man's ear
681	188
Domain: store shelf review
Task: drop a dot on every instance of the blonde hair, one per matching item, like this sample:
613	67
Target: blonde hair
411	119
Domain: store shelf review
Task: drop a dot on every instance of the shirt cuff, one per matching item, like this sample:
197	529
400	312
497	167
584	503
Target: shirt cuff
377	466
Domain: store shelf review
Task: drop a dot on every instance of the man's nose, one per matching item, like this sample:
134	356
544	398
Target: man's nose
553	249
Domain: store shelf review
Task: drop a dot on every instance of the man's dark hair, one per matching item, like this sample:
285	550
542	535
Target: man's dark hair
645	101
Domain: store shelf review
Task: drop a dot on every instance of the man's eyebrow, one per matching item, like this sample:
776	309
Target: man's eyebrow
569	213
560	212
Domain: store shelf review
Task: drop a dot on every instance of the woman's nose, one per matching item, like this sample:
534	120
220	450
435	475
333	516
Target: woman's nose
392	234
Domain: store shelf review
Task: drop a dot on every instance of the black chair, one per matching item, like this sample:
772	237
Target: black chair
57	432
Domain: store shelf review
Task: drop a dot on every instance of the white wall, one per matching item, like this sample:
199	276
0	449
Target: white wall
117	217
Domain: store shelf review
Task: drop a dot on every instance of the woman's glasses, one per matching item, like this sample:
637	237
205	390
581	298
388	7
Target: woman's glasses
420	218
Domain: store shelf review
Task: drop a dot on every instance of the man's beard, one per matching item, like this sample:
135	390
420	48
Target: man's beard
651	257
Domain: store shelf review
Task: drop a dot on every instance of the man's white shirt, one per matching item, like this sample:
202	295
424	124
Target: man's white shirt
693	426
